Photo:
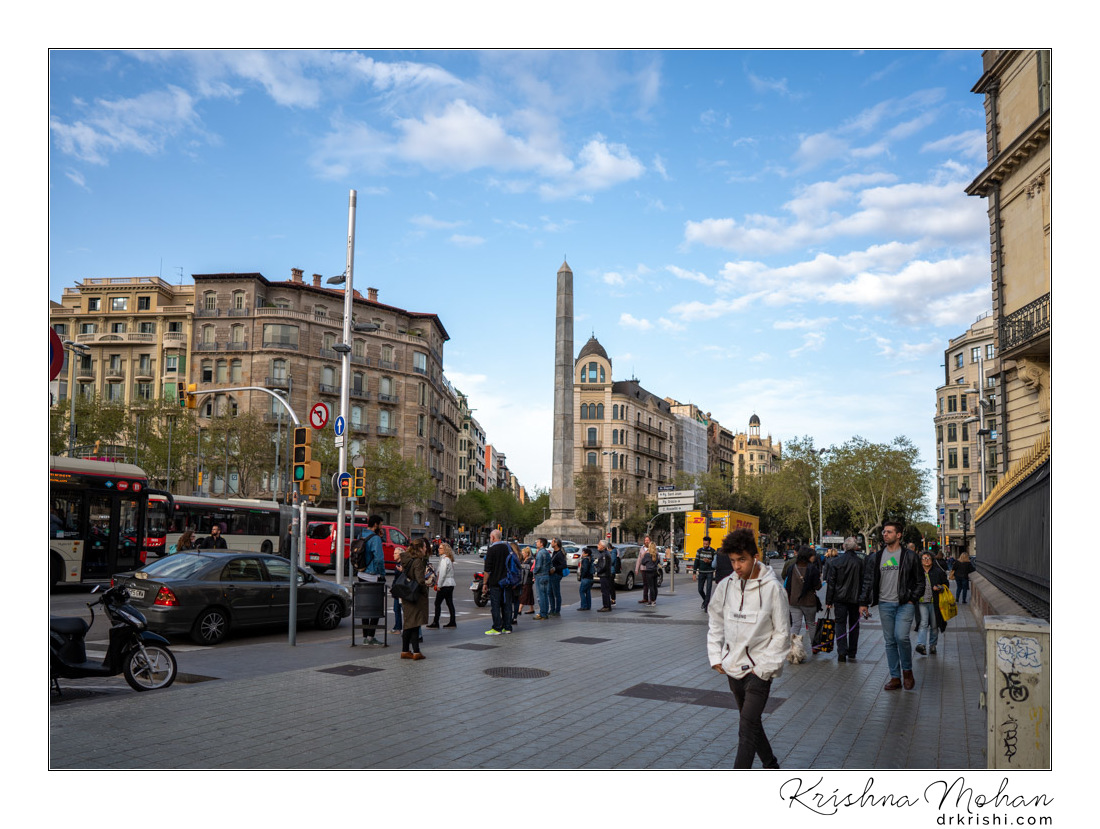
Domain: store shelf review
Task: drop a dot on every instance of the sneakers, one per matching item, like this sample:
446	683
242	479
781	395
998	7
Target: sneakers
920	649
450	625
371	641
506	630
492	632
932	650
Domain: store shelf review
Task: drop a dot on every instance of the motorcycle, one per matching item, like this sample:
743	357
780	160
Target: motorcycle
481	598
140	655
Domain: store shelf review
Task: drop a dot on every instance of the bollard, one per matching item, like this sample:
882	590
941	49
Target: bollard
1017	662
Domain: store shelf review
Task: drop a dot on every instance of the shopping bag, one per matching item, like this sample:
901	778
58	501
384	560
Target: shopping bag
824	633
948	608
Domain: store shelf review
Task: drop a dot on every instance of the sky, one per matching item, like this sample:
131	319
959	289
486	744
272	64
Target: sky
779	233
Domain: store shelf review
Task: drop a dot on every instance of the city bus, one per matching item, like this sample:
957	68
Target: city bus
98	520
246	524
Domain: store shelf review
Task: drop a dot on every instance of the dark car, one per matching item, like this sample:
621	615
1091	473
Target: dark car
209	592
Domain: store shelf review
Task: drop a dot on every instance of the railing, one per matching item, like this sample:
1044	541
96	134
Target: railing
285	313
238	346
653	453
329	354
1025	324
435	444
388	398
592	444
324	388
420	370
277	382
653	430
285	344
205	346
208	312
362	394
360	360
435	505
238	312
85	371
174	337
390	365
387	432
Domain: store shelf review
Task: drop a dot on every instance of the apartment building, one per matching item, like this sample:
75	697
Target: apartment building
720	450
690	430
753	454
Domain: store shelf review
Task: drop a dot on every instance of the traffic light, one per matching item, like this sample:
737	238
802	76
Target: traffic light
181	392
303	436
345	487
191	398
360	488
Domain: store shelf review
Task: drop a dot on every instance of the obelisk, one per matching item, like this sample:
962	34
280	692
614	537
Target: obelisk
562	522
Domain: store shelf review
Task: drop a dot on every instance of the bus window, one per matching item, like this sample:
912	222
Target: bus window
65	512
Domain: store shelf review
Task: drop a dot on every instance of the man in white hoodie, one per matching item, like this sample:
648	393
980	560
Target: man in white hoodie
748	640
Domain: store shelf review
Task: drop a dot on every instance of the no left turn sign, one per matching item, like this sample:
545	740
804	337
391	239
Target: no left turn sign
318	415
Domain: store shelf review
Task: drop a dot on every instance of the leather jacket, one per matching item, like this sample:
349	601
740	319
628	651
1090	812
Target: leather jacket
845	582
910	578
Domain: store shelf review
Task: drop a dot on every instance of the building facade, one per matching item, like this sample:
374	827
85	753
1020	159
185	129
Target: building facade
1013	521
754	455
966	430
623	431
720	450
690	429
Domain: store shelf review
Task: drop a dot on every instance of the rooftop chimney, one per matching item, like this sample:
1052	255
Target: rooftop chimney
372	294
316	280
295	274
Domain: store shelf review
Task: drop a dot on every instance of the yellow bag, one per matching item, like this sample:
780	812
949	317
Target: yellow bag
948	608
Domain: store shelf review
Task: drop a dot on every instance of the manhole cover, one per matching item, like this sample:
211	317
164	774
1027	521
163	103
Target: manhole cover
517	673
470	646
584	640
348	670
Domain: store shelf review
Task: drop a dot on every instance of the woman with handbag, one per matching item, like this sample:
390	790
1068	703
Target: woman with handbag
649	565
803	582
445	585
929	620
961	574
414	565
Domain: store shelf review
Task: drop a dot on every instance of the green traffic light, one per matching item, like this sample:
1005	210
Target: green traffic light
299	473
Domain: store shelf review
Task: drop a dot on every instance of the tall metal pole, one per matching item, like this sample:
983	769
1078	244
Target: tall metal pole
345	382
168	471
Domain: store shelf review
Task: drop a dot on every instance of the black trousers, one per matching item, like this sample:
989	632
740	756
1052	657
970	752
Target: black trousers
847	616
410	640
445	594
751	693
606	585
649	591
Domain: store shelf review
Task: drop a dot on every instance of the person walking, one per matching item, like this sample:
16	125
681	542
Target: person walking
542	578
445	585
511	582
496	568
373	570
961	574
650	564
586	573
748	637
605	571
803	582
931	621
526	592
892	579
557	572
842	595
703	572
414	563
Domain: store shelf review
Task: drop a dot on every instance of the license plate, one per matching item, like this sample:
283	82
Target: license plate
135	594
475	586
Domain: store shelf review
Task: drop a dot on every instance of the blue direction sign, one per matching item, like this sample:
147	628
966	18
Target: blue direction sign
339	426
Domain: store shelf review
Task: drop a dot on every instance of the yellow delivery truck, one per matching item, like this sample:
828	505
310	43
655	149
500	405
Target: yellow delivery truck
719	524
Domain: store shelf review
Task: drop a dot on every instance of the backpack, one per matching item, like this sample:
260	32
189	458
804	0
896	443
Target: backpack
359	554
511	576
616	565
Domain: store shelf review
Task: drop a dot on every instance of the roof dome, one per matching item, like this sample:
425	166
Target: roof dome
593	347
754	421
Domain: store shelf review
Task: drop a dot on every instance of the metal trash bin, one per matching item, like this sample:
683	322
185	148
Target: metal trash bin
369	602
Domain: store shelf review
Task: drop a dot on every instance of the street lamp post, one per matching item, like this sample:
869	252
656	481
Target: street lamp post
73	348
964	515
820	519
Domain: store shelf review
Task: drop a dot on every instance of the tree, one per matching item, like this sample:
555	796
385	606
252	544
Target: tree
591	502
472	511
393	479
878	481
160	431
792	492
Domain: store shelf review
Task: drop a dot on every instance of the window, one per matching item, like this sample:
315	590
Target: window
236	334
952	458
143	303
145	391
422	394
975	353
953	487
384	418
959	360
238	300
147	327
356	416
328	376
209	301
953	403
61	329
615	412
115	364
171	363
420	362
385	386
208	335
966	457
358	348
207	372
119	303
591	458
87	328
357	382
285	335
222	372
952	432
614	460
966	432
118	328
329	341
235	372
113	392
93	303
278	369
962	402
387	355
591	440
420	421
599	411
175	328
145	364
990	350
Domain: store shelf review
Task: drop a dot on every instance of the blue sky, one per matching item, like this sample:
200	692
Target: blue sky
782	233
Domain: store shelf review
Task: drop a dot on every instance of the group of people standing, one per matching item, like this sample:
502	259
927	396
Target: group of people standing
516	578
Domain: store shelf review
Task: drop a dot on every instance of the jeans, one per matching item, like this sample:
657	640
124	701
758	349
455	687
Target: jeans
706	586
804	619
500	600
586	594
555	593
929	633
847	616
649	592
897	621
962	589
445	594
542	590
751	693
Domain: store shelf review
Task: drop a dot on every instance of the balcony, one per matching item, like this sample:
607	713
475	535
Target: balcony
360	360
114	370
207	312
437	474
238	312
329	354
277	382
361	394
175	339
653	453
324	388
284	313
237	346
206	346
388	398
1025	327
289	345
147	370
85	371
592	444
387	432
653	430
435	444
116	337
390	365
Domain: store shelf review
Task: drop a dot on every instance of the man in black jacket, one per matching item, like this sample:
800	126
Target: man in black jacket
605	571
496	568
892	579
845	583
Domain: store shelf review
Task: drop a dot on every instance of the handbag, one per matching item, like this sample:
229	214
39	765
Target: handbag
824	633
404	588
948	608
565	572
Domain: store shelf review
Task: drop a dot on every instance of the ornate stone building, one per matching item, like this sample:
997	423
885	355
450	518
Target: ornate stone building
755	455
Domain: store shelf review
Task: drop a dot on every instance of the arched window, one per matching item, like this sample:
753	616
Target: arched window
356	416
236	334
387	355
207	371
385	386
330	340
584	411
357	381
591	458
615	412
384	418
208	334
238	300
599	411
591	372
602	380
328	376
278	369
592	436
209	300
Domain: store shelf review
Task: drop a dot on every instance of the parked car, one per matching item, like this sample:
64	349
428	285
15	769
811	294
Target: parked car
208	593
572	555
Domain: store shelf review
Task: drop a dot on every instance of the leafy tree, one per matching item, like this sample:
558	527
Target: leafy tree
160	431
591	495
472	511
96	421
531	512
393	479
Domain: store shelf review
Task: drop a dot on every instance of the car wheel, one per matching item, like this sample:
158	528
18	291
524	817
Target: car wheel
330	614
266	547
318	570
150	668
629	581
211	627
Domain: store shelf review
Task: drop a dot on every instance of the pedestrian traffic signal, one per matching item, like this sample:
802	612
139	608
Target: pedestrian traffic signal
302	455
181	394
360	488
192	398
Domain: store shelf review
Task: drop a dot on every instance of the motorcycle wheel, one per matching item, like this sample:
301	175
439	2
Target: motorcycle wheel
480	599
159	671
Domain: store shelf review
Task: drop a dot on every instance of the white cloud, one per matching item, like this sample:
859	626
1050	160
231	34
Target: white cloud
811	341
466	241
433	223
691	276
601	165
794	324
628	321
